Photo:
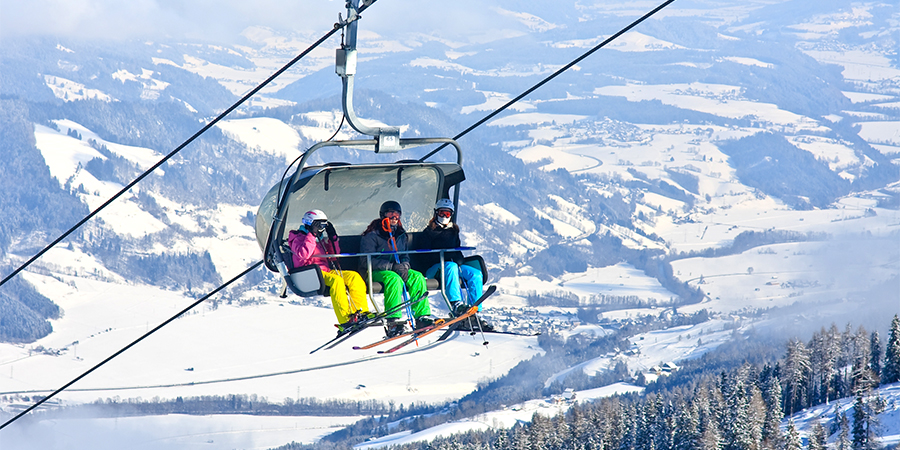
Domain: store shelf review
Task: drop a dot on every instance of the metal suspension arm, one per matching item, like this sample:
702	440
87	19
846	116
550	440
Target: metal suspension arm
387	137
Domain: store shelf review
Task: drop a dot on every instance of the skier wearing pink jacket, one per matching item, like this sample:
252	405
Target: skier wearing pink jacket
317	236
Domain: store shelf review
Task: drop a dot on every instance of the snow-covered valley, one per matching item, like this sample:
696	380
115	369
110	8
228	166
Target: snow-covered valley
660	144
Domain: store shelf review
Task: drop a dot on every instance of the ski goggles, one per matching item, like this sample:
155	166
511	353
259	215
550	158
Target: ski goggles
443	213
392	214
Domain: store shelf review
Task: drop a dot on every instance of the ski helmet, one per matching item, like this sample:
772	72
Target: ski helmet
389	205
312	216
444	203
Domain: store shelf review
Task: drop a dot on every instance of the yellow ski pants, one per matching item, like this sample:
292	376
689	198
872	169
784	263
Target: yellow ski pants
341	282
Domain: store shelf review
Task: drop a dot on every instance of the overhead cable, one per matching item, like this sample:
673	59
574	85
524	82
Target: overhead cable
133	343
337	26
552	76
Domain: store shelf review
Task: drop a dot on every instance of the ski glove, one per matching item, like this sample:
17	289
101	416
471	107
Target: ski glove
317	228
402	269
331	232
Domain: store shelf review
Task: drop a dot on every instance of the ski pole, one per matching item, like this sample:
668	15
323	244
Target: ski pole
386	226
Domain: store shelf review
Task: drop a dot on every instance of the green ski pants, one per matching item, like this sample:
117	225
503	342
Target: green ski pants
393	291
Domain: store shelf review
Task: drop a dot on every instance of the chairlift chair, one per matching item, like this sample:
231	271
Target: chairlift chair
351	194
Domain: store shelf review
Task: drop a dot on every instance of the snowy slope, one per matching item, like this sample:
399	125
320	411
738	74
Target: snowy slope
260	346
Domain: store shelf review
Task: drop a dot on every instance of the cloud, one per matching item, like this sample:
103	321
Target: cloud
223	20
135	19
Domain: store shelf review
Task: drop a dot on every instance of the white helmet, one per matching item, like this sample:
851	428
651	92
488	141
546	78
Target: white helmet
444	203
312	216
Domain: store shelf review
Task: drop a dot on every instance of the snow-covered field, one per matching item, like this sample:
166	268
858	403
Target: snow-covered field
173	431
261	347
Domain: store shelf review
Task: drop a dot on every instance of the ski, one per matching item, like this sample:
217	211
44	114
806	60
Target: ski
508	333
341	336
515	333
399	336
471	312
356	328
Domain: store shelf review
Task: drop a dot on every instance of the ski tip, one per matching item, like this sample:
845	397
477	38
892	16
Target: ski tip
356	347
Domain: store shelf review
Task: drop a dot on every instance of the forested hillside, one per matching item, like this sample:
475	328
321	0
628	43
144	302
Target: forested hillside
733	398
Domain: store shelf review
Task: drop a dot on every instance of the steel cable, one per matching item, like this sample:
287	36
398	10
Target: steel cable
184	144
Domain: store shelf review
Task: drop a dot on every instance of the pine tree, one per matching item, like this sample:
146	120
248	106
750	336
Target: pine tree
875	356
771	430
538	432
796	370
737	427
642	419
860	434
832	354
792	440
710	431
611	419
818	440
629	428
865	418
687	428
843	440
757	412
891	371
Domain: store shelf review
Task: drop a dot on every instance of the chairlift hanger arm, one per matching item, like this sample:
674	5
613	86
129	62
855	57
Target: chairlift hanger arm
387	137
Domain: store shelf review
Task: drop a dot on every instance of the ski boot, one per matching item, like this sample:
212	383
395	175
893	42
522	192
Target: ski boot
395	326
424	321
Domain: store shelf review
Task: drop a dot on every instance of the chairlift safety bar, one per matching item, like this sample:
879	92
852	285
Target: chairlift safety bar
369	256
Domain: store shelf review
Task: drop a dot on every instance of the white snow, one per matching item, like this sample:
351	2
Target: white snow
655	349
264	134
261	349
535	118
721	100
534	23
825	24
865	97
617	280
176	431
506	71
889	419
494	100
152	87
142	156
70	91
837	154
631	41
63	154
887	133
749	61
497	212
860	65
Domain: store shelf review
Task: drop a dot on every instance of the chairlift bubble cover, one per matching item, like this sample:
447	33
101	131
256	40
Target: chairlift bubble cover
354	195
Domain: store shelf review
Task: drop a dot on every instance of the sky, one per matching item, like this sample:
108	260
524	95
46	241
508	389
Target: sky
209	20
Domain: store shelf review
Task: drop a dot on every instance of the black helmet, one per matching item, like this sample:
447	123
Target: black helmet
389	205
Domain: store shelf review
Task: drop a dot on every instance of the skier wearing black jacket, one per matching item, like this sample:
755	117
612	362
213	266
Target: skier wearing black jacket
440	233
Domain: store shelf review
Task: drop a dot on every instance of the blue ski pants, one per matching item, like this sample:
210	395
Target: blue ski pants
470	275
